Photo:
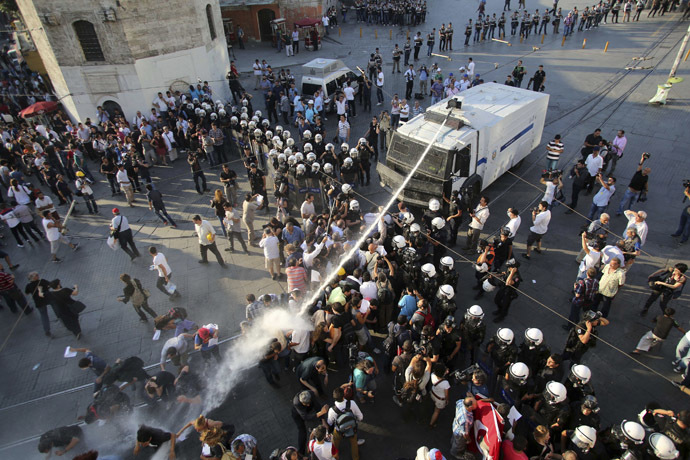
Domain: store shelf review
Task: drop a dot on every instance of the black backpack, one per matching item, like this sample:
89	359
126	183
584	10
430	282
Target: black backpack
385	296
345	422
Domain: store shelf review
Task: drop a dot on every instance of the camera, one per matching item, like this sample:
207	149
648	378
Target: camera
422	347
536	209
645	156
551	174
464	375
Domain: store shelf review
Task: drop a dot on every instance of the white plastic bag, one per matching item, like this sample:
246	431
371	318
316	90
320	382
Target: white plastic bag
112	243
170	288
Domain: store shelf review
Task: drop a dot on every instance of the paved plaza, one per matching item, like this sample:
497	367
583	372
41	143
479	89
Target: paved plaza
588	88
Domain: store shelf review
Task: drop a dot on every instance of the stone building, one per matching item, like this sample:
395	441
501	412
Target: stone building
255	16
121	53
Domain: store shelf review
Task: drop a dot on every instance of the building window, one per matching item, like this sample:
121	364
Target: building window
88	41
209	17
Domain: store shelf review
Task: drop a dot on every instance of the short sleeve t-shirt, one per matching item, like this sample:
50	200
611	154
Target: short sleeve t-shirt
97	364
439	387
158	437
160	259
52	233
62	436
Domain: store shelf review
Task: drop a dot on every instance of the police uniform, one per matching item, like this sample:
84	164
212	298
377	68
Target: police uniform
468	32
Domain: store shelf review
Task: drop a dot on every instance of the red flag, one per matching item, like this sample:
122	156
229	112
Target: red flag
488	427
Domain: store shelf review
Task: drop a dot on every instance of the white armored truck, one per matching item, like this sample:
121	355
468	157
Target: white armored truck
491	129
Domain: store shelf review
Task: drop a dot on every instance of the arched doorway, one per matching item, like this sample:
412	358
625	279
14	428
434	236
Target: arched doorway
265	17
113	109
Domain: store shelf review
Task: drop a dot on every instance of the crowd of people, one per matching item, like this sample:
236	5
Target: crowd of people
391	276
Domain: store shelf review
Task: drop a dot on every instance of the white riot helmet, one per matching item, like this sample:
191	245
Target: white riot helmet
308	147
555	392
214	116
269	134
243	123
407	218
265	123
315	167
318	138
202	113
245	103
197	111
288	151
362	141
222	112
354	153
429	270
282	158
256	119
328	168
519	372
290	142
474	313
219	102
446	292
505	336
195	100
244	110
292	160
580	374
399	241
279	129
629	432
348	161
329	146
447	261
438	223
190	106
584	437
415	228
234	120
534	337
272	153
257	113
487	286
299	157
244	117
286	135
434	204
354	205
344	147
257	132
311	156
252	124
306	134
662	446
346	189
277	142
301	169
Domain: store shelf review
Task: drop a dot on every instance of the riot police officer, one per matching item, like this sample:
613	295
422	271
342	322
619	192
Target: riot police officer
512	385
578	383
472	331
433	211
427	283
502	350
438	238
446	273
552	408
445	302
533	351
449	336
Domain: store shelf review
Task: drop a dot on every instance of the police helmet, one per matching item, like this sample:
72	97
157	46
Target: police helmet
584	437
438	223
629	432
282	158
362	141
286	135
415	228
243	123
519	372
234	120
344	147
318	138
279	129
505	335
399	241
580	374
354	205
330	146
346	188
265	123
256	119
301	169
662	447
290	142
354	153
348	161
252	124
257	113
446	292
315	167
555	392
429	270
222	112
308	147
328	168
269	134
434	204
306	134
447	262
311	156
258	132
292	160
475	312
288	151
299	157
534	336
408	218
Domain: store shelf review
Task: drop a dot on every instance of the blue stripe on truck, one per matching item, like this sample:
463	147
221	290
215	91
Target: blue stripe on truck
481	161
516	137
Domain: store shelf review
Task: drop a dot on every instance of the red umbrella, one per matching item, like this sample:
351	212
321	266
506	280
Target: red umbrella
38	108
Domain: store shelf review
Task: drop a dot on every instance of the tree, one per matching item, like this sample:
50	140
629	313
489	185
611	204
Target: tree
9	7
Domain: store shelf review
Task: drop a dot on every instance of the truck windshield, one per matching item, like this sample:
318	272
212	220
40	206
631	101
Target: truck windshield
407	152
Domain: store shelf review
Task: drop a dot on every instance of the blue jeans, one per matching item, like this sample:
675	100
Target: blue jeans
379	94
551	164
627	201
430	50
684	225
595	210
162	212
212	157
222	226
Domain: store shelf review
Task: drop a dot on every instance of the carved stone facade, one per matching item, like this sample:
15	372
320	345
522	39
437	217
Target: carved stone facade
126	51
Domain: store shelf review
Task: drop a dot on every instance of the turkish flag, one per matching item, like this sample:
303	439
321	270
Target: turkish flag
488	427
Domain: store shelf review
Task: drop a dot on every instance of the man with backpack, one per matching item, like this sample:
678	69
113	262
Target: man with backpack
343	417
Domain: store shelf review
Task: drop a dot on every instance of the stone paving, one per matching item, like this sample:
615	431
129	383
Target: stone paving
37	384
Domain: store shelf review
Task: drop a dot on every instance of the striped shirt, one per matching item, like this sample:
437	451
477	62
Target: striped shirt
296	278
554	150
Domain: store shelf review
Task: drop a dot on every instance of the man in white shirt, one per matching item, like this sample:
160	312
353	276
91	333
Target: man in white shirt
617	147
591	259
207	240
379	86
478	218
350	98
409	75
295	40
470	68
119	229
160	263
594	162
404	111
161	105
514	222
138	120
170	145
637	220
340	405
320	446
257	74
125	184
269	242
551	187
325	21
45	203
601	200
177	349
540	219
307	209
82	185
613	252
52	228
